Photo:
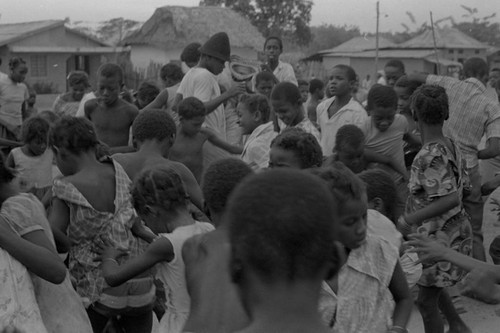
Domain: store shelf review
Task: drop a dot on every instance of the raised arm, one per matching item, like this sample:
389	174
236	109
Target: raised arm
159	102
419	77
491	150
216	141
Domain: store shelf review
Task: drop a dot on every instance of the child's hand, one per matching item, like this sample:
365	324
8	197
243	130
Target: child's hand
428	250
481	284
105	249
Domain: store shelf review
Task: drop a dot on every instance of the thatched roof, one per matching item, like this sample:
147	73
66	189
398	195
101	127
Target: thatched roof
175	26
446	38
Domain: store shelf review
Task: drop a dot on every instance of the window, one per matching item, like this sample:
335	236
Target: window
461	60
450	51
38	65
460	51
476	51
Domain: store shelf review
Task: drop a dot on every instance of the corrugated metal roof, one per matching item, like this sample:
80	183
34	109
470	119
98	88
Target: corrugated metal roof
359	44
446	38
404	54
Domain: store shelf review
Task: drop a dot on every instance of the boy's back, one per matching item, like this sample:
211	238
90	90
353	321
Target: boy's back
112	123
188	150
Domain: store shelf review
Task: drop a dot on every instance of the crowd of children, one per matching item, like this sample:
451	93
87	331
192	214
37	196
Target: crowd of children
313	215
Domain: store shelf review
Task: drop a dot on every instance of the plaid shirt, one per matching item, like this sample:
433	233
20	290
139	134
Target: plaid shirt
472	114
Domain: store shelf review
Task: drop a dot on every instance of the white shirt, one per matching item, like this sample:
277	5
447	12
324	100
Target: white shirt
81	109
284	73
200	83
256	150
351	113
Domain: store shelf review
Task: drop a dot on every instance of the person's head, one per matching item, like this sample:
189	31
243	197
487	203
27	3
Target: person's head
429	105
35	134
476	68
350	146
304	89
219	180
294	148
264	83
404	88
350	196
154	125
146	93
70	138
18	69
215	52
110	83
494	77
393	69
191	115
273	47
253	110
381	192
78	82
317	88
157	193
342	81
191	54
282	229
171	74
287	103
382	106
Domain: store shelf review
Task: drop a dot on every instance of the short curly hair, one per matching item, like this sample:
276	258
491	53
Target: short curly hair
288	92
191	53
410	85
171	71
219	180
303	144
158	186
78	77
77	135
379	184
35	128
153	124
147	92
110	70
350	135
256	103
381	96
429	103
316	84
191	107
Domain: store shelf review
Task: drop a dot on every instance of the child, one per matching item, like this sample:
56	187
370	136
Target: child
30	109
215	306
371	284
434	206
286	214
393	70
159	198
404	88
67	104
23	246
33	161
191	54
91	203
294	148
146	93
254	118
317	93
191	136
111	115
171	75
304	91
384	134
339	110
154	134
287	105
273	47
264	83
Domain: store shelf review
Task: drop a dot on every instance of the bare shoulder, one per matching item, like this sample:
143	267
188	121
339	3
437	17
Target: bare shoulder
90	106
129	109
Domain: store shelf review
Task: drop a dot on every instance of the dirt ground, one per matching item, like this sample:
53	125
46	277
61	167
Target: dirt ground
480	317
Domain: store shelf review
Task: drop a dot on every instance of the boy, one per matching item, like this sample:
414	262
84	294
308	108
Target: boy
191	54
264	83
393	69
191	136
146	93
254	118
304	90
154	133
215	306
111	115
30	109
317	91
282	213
339	110
287	105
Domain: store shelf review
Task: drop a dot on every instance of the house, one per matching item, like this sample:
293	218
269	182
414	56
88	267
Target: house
52	50
163	37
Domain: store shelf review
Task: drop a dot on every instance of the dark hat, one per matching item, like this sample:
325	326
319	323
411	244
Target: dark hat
217	46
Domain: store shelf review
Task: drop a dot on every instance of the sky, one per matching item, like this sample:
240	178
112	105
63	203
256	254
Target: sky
338	12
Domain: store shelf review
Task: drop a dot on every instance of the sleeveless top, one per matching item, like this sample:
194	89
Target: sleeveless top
33	171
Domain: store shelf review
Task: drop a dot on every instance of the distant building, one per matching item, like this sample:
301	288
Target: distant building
52	50
162	38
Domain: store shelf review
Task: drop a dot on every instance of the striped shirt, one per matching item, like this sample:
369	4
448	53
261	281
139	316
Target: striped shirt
472	114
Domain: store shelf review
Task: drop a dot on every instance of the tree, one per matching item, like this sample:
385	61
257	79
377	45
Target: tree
327	36
480	28
115	30
286	18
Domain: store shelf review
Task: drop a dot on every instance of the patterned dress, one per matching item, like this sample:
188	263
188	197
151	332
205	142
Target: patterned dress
87	226
436	172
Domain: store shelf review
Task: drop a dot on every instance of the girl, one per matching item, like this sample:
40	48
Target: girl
20	239
434	206
371	285
13	94
92	201
33	161
294	148
67	104
160	199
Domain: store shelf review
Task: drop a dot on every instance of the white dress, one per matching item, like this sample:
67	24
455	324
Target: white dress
172	275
